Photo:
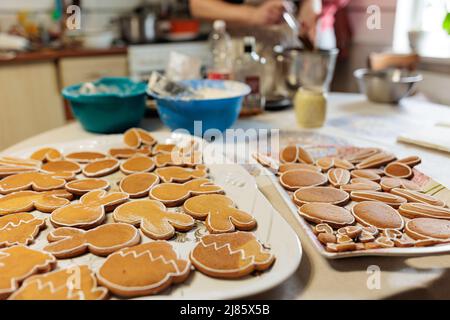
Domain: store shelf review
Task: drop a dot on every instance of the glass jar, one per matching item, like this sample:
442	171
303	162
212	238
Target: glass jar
310	106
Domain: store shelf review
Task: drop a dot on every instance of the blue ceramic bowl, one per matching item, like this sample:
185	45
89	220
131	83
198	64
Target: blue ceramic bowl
219	113
121	108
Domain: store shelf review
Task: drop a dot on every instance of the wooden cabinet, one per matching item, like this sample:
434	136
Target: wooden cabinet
83	69
30	101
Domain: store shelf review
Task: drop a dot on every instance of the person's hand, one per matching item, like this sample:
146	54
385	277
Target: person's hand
268	13
308	15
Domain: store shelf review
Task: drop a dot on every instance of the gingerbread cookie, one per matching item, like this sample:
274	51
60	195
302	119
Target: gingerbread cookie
295	179
178	159
82	186
366	174
143	270
61	166
154	219
126	153
20	228
19	162
411	161
89	212
369	195
415	196
428	228
138	185
338	177
164	148
332	215
362	154
135	137
423	210
387	184
46	154
320	194
101	241
343	164
29	200
376	161
398	170
73	283
11	170
101	168
85	156
220	213
378	215
179	174
361	185
325	163
137	164
18	263
230	255
173	194
295	166
32	180
295	153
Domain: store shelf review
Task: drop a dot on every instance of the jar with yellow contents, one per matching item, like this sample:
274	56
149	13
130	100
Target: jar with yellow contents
310	106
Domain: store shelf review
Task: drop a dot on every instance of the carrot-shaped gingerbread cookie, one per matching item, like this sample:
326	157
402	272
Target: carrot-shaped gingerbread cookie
179	174
153	218
29	200
173	194
89	212
73	283
18	263
230	255
142	270
20	228
31	180
101	241
219	212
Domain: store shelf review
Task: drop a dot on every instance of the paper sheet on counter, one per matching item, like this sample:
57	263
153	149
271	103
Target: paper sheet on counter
437	137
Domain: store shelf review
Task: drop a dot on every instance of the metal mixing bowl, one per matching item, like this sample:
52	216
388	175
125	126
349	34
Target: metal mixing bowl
386	86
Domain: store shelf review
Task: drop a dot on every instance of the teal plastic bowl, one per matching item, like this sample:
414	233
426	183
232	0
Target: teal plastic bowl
115	111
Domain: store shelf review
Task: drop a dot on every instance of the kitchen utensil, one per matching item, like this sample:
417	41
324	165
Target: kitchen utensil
386	86
139	26
312	69
214	113
163	87
117	105
381	61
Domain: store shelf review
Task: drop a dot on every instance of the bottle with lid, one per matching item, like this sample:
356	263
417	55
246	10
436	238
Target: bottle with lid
220	46
249	69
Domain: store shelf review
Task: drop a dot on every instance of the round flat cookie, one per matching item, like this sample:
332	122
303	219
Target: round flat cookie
411	161
101	168
388	183
295	166
359	185
85	156
125	153
46	154
376	161
338	177
387	198
398	170
320	194
61	166
138	185
423	210
378	215
362	154
428	228
295	179
137	164
332	215
366	174
82	186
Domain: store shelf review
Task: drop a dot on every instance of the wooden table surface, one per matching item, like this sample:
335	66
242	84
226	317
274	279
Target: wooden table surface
362	123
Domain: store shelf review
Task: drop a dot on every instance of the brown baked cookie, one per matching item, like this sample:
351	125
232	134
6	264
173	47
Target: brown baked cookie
29	200
297	166
143	270
20	228
85	156
61	166
325	163
295	179
378	215
320	194
101	168
369	195
423	210
411	161
361	184
338	177
11	170
368	174
173	194
154	219
136	137
415	196
362	154
138	185
332	215
73	283
388	183
82	186
230	255
46	154
428	228
398	170
126	153
32	180
376	161
6	161
18	263
295	153
164	148
178	159
137	164
89	212
105	239
180	174
220	213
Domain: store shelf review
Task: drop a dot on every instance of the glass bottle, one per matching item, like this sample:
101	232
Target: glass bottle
310	106
220	46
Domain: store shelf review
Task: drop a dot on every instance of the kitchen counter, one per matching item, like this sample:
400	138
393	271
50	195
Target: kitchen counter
364	124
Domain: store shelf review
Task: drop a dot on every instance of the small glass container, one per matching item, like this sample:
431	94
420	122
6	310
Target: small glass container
310	106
